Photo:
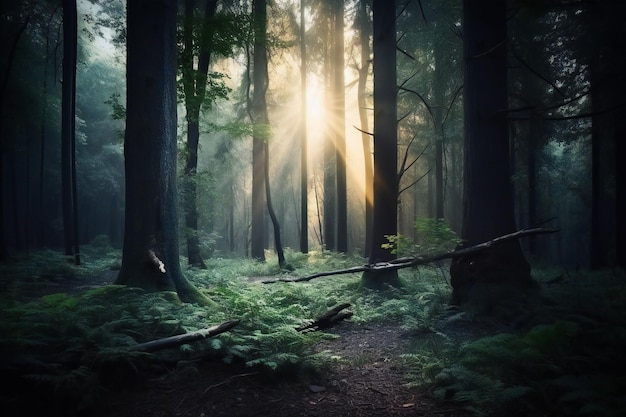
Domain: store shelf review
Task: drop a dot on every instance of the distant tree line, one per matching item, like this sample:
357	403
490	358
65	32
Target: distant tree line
505	119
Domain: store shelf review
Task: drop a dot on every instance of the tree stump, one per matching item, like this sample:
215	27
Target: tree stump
485	277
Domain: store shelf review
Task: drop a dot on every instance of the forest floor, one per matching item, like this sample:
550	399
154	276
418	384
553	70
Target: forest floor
367	380
369	365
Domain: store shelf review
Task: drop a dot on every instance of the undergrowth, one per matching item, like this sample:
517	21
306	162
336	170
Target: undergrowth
565	359
71	346
562	356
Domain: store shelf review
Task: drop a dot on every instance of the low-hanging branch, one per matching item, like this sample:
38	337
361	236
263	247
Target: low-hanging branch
408	262
181	339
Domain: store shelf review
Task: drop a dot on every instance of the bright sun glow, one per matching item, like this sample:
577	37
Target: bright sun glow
319	121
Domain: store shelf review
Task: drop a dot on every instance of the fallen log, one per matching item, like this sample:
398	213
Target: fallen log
408	262
328	319
181	339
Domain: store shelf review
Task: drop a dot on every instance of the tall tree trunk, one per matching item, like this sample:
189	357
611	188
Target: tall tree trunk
364	35
385	222
330	167
304	188
605	68
439	95
6	72
261	119
40	225
194	83
260	132
150	258
535	137
620	187
68	127
488	197
339	129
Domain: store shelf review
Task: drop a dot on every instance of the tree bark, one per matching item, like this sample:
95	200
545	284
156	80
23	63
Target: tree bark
304	189
194	83
488	199
385	221
150	257
439	94
364	35
339	130
68	129
330	166
261	126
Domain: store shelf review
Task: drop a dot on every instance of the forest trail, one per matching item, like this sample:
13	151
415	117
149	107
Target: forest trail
366	380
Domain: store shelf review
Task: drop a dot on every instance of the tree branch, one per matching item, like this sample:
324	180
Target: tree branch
409	262
181	339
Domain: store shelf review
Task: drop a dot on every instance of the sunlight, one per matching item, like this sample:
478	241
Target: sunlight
316	113
285	149
315	101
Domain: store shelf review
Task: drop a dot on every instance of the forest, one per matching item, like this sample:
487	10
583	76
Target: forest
306	207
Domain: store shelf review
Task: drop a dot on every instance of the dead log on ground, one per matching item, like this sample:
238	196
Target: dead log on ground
181	339
409	262
328	319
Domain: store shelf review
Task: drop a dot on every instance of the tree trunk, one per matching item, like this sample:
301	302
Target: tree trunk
364	31
385	221
68	123
150	257
488	199
304	188
278	243
330	165
261	120
194	83
260	132
339	130
6	72
604	97
439	94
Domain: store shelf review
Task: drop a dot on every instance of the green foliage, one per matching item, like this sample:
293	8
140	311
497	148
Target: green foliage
400	245
434	236
118	111
78	342
565	364
564	359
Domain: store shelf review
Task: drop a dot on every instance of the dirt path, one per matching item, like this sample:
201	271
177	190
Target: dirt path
367	381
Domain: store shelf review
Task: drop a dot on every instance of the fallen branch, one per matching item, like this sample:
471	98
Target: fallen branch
409	262
328	319
181	339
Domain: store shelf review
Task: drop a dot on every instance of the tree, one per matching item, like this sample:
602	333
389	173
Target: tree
261	130
68	133
607	75
338	128
330	166
8	59
364	37
385	141
304	189
488	199
194	87
257	244
150	257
